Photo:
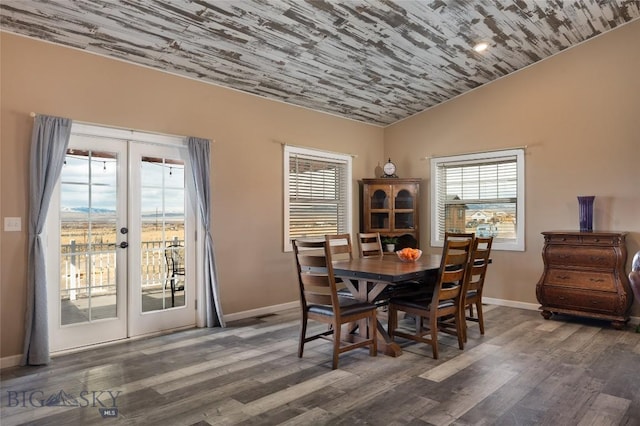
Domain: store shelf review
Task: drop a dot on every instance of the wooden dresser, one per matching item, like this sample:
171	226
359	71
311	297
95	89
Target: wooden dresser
584	275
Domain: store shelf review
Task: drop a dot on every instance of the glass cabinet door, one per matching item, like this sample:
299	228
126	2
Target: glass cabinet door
380	207
390	206
403	220
403	208
404	199
380	198
380	221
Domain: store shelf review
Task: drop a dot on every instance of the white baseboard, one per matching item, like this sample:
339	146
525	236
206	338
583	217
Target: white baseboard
511	303
252	313
10	361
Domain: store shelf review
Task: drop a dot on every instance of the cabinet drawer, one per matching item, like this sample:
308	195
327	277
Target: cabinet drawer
580	299
567	255
590	280
563	239
603	240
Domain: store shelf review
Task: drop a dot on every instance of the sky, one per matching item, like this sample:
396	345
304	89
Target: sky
157	179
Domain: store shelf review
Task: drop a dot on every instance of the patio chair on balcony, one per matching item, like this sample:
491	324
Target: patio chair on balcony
173	254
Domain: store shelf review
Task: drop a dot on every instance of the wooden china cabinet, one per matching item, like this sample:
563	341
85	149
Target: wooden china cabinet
390	207
584	275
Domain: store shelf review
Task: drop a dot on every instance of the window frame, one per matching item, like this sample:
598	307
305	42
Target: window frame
320	155
518	244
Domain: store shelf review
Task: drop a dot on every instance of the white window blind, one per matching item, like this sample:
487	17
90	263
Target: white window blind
486	192
317	194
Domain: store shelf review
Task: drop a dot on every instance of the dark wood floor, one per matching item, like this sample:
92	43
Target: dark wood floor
524	371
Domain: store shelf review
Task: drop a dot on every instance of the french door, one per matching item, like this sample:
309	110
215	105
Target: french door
161	290
120	242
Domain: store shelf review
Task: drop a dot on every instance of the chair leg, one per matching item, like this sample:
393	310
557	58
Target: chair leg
434	338
303	334
373	326
480	316
173	291
463	320
336	345
460	329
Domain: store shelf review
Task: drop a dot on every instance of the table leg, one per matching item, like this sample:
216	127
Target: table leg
365	292
385	344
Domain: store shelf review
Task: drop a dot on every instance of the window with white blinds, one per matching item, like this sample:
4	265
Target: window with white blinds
481	193
317	188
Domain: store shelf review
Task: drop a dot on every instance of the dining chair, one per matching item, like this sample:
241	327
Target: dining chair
457	236
446	302
369	244
478	263
174	258
320	302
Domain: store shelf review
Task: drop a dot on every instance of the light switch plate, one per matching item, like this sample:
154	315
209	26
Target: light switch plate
12	224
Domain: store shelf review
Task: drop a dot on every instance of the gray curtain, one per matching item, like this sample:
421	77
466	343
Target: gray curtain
49	142
199	157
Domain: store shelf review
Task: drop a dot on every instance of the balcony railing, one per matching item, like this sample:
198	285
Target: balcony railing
85	272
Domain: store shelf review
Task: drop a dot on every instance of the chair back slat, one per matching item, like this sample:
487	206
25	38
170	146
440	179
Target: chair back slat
313	298
457	257
313	261
449	292
370	249
369	244
457	236
311	280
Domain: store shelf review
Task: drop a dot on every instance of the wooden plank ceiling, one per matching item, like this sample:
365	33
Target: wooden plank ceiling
376	61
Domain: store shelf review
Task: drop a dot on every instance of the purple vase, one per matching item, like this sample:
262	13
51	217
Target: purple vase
585	206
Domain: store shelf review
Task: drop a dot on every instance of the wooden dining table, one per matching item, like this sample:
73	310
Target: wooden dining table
367	277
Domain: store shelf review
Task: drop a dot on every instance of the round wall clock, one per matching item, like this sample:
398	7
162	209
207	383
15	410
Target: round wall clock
389	169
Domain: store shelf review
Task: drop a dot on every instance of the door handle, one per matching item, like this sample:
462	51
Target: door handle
124	244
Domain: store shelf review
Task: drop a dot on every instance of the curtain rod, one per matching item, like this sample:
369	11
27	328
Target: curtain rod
428	157
123	129
314	149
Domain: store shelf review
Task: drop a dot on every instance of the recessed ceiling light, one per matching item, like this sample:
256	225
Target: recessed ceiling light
481	47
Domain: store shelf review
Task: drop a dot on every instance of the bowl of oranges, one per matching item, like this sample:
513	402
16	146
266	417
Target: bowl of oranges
409	254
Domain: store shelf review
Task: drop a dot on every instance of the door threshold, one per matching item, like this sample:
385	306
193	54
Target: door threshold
114	342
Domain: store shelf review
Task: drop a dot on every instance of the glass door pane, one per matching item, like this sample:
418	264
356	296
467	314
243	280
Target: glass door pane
88	233
162	218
